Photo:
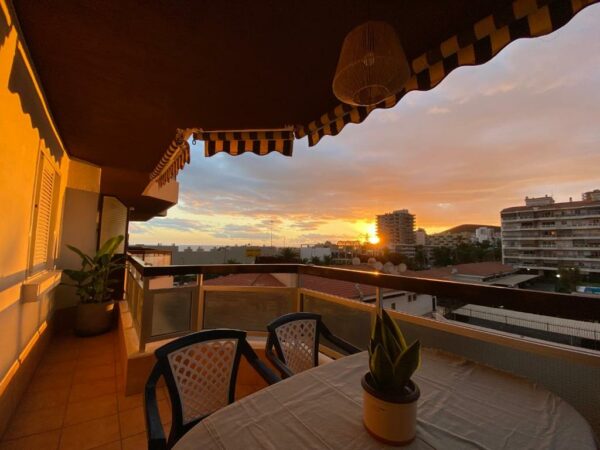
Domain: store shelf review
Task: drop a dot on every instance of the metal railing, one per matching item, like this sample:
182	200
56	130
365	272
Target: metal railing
170	301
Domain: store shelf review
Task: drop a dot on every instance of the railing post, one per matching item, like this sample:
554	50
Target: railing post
299	297
201	299
147	311
378	300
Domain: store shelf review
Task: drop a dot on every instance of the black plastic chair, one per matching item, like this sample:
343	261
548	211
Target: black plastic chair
200	371
295	338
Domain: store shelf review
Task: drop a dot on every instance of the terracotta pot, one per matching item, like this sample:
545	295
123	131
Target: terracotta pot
94	318
390	418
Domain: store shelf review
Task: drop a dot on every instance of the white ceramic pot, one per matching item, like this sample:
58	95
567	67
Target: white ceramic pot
391	419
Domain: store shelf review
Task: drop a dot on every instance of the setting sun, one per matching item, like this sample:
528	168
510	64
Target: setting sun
372	234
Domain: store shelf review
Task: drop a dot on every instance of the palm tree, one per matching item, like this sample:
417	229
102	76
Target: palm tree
288	254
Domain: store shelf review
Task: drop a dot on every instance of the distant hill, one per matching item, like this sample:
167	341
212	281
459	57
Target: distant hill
468	228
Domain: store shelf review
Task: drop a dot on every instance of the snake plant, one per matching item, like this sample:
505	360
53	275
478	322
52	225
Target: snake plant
391	361
93	280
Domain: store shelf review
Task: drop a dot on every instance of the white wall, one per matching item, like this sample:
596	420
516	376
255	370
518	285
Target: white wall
25	130
416	304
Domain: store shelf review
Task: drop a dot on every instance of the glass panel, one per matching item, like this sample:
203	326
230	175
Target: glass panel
172	311
250	311
350	324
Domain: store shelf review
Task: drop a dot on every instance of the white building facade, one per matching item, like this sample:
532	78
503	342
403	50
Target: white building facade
545	235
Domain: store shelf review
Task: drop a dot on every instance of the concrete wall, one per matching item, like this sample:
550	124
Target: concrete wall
80	223
26	129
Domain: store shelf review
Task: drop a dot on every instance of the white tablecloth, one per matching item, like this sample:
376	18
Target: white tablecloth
462	406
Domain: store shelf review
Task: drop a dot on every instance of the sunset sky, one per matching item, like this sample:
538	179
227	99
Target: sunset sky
525	123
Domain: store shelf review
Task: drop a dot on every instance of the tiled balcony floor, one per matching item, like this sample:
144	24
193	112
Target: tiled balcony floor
75	401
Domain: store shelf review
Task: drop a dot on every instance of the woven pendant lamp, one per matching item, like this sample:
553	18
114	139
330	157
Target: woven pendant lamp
372	65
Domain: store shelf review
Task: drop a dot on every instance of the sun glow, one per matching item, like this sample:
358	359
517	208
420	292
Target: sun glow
372	234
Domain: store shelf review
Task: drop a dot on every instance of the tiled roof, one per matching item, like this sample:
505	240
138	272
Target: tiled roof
340	288
480	269
246	279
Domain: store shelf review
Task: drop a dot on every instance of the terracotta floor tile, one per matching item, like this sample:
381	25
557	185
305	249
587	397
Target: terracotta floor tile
136	400
100	359
44	382
103	406
135	442
59	368
93	389
132	422
90	434
47	441
85	374
54	355
116	445
52	398
25	423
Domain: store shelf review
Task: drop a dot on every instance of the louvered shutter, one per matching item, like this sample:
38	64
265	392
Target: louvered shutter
43	214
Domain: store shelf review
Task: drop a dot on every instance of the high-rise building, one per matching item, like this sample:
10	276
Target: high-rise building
546	235
396	228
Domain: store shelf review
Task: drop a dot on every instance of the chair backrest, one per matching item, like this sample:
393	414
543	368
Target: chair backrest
297	340
200	371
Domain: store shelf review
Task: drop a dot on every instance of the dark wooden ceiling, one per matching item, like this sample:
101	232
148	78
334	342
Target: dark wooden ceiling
121	76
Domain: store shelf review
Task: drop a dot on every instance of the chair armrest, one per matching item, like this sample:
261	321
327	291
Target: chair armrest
279	364
263	370
154	429
341	343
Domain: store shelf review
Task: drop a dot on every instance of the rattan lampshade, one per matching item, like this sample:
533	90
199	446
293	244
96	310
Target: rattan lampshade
372	65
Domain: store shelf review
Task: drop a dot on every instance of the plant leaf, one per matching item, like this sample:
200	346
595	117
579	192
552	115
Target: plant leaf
406	364
382	368
110	246
391	324
84	258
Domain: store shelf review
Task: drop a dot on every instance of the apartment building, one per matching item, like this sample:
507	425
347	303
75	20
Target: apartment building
546	235
465	233
396	228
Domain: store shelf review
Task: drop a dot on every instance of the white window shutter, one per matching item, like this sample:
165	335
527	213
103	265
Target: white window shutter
43	213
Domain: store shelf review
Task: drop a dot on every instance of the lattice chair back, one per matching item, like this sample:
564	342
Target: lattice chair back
202	374
200	371
297	340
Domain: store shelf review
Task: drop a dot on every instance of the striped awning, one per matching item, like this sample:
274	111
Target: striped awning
260	142
473	46
177	155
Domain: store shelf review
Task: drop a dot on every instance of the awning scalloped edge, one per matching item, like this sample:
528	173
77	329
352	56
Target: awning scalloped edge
174	159
474	46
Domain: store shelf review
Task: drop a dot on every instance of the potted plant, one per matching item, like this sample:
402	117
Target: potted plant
93	283
390	396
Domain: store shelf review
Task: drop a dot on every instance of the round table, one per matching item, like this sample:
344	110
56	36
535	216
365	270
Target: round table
463	405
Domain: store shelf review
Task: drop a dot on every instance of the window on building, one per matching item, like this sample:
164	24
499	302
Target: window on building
44	212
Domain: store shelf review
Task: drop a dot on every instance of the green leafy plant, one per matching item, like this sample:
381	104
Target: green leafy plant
92	280
391	362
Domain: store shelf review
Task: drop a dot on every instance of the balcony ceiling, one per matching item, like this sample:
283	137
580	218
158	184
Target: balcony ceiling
121	77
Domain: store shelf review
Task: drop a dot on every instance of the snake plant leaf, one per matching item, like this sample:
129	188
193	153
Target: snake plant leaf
391	325
390	342
382	368
406	364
